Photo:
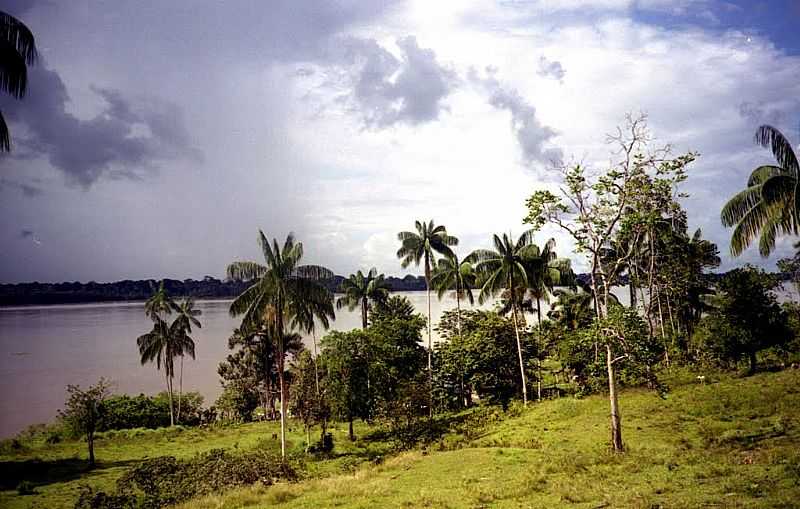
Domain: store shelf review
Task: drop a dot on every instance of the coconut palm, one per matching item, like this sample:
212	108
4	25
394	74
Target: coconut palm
17	52
507	267
162	345
187	316
449	275
281	289
770	205
421	247
362	291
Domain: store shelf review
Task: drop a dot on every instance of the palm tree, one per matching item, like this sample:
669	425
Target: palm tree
17	52
359	291
281	289
507	268
448	275
422	246
162	345
187	316
306	318
770	205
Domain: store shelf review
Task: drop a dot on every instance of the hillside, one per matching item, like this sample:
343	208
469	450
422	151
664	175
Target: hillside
731	442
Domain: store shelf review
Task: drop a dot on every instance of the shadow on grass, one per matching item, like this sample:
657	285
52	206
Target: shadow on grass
41	472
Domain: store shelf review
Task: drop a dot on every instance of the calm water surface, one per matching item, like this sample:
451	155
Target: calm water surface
44	348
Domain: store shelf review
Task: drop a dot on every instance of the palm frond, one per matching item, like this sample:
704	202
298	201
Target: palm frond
768	136
313	272
5	136
19	36
739	206
246	271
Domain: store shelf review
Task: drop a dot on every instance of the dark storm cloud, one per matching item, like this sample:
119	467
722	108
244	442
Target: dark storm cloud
407	90
123	140
27	190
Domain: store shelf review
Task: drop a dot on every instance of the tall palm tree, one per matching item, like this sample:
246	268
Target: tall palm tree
448	275
770	205
187	316
17	52
306	318
361	291
281	289
162	345
507	267
421	247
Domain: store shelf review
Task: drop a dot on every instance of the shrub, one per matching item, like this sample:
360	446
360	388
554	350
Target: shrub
25	488
166	480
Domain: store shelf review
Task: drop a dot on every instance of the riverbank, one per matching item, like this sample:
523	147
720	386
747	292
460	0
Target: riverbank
730	441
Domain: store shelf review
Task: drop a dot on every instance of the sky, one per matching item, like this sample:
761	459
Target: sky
156	138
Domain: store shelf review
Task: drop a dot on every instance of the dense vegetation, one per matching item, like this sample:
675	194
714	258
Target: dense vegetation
682	350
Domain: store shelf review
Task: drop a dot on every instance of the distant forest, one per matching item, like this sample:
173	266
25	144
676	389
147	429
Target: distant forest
206	288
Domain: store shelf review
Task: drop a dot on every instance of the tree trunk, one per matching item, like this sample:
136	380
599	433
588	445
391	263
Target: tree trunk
364	313
519	354
90	442
539	351
283	398
430	338
316	368
752	359
616	424
180	392
169	395
350	432
631	288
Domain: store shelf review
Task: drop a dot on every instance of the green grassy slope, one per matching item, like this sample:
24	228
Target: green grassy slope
730	443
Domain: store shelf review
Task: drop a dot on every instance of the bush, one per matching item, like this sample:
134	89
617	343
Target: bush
25	488
126	412
166	480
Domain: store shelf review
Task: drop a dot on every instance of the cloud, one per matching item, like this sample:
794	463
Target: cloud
27	190
125	140
533	136
551	69
388	90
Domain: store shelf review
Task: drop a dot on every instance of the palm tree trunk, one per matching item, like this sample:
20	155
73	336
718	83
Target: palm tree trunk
180	392
316	367
430	339
90	442
169	395
519	353
539	351
283	399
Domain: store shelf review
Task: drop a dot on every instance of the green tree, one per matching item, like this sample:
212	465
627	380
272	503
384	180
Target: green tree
598	209
770	205
421	247
344	357
507	267
746	318
461	278
162	345
83	411
187	317
280	290
360	291
18	50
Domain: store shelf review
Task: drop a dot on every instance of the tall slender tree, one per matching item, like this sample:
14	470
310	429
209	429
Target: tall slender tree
187	317
17	52
461	278
507	267
421	247
281	289
360	291
770	205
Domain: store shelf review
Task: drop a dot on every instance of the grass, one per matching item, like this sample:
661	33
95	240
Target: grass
734	442
731	442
